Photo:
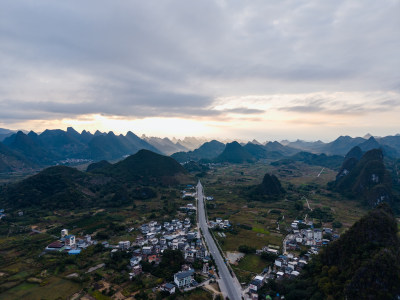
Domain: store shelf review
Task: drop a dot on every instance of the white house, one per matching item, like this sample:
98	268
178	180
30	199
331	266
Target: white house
317	234
135	260
278	263
124	245
183	279
70	240
169	287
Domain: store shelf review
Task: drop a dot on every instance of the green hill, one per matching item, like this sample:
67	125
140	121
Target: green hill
366	179
11	161
364	263
54	187
208	151
30	147
271	186
106	185
323	160
257	151
235	153
269	189
146	167
98	165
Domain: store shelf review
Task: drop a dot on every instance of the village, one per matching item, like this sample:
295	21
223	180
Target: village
153	238
293	258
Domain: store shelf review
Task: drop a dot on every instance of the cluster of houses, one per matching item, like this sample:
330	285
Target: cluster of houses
312	238
175	235
70	244
219	223
308	237
285	266
289	265
189	208
189	192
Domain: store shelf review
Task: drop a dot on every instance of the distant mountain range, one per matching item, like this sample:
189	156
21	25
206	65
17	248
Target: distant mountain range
343	144
53	146
20	151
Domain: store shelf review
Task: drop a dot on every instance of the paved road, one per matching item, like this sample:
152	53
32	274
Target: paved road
230	287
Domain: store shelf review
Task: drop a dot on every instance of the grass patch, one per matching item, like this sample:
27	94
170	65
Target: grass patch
260	230
252	263
20	275
99	296
57	287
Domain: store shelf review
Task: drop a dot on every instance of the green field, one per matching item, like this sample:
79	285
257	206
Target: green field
227	183
55	288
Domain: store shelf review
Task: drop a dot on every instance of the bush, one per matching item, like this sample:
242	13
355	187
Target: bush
246	249
270	257
337	224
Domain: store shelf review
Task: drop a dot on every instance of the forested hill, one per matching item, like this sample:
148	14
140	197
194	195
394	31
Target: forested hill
366	178
146	167
364	263
105	185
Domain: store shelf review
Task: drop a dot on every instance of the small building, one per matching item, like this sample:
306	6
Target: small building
272	251
153	258
55	246
169	287
70	240
124	245
278	262
257	283
295	273
183	279
136	270
147	250
206	268
317	234
135	261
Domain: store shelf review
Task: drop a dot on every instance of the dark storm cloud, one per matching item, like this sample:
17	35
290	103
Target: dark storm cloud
173	58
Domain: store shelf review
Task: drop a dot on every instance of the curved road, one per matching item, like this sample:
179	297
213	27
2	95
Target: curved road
230	287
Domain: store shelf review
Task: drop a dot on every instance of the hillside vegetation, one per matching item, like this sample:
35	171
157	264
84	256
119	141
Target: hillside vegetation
105	185
365	179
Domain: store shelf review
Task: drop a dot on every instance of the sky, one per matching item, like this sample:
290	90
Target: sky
260	69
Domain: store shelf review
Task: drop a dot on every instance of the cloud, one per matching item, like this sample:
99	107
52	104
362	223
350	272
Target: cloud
139	59
344	103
